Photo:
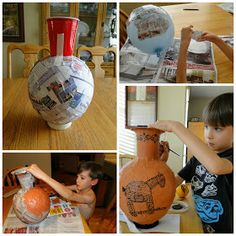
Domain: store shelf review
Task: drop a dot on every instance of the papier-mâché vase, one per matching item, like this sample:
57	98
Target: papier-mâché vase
61	86
31	204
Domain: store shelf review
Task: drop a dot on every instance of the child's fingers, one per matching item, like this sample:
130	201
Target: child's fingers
165	146
189	27
151	126
204	33
154	125
201	39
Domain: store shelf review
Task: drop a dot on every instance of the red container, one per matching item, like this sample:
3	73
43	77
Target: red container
62	34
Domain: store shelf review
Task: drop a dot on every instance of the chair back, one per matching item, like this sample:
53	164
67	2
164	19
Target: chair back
123	33
31	56
97	53
11	180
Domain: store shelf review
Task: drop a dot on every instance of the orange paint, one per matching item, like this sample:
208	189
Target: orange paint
36	201
147	184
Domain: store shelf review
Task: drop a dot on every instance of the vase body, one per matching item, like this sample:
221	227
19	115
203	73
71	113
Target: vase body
61	86
31	204
147	184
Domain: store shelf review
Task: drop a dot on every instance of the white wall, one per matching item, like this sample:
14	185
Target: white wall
32	22
201	96
12	160
171	106
196	106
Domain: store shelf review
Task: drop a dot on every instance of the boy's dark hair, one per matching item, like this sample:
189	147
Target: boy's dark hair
219	112
94	168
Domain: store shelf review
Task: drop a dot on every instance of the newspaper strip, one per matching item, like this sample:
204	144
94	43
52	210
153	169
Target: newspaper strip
64	223
136	66
200	64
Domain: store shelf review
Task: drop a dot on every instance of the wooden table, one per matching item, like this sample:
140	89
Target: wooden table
7	203
207	17
189	220
24	129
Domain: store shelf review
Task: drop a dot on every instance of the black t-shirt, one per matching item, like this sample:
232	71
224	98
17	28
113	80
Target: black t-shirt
212	194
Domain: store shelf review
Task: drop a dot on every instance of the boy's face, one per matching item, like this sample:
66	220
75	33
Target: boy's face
218	138
84	181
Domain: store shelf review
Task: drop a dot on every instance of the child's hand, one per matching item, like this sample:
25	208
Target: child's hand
186	35
165	125
207	36
36	171
164	151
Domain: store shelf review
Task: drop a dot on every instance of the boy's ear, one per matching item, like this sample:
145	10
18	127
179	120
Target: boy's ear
94	182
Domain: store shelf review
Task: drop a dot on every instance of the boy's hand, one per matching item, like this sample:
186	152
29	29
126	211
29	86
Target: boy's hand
208	36
165	125
164	151
186	35
36	171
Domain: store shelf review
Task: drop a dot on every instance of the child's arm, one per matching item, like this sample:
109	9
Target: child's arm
200	150
58	187
224	47
186	35
71	187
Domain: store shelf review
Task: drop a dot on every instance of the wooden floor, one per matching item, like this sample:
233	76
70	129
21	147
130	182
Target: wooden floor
99	223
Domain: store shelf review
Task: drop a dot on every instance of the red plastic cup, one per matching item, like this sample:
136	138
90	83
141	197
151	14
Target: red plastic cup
62	34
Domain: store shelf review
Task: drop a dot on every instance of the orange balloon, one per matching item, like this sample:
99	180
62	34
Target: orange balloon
31	205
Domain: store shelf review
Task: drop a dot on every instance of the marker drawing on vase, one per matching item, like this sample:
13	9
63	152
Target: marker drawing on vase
147	184
140	191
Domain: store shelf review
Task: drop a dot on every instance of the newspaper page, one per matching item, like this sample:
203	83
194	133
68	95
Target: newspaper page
228	6
136	66
200	63
63	223
58	206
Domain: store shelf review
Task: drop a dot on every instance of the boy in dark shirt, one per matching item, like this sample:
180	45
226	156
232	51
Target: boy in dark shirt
211	169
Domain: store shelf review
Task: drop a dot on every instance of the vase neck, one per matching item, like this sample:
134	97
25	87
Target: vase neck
62	34
26	180
148	143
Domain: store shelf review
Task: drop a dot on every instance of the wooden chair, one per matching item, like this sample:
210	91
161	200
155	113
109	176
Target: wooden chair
97	53
31	56
10	180
123	33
